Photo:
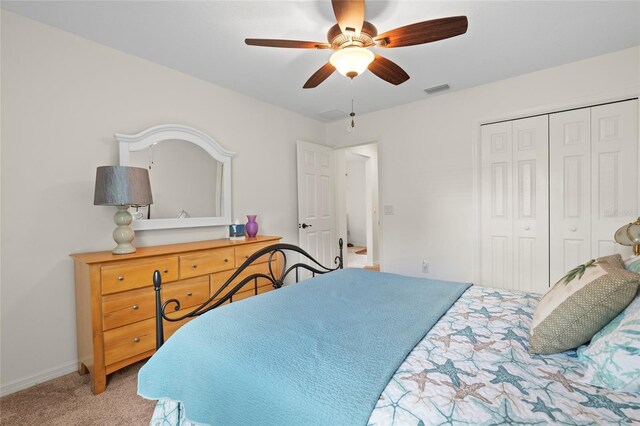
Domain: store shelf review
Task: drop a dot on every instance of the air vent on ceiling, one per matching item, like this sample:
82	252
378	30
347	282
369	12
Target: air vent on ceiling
436	89
333	114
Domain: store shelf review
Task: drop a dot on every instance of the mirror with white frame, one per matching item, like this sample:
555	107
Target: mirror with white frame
190	175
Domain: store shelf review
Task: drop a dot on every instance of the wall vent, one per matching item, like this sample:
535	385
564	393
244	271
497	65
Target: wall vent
436	89
333	114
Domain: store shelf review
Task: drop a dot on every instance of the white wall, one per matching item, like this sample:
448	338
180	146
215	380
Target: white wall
63	98
356	200
426	152
370	151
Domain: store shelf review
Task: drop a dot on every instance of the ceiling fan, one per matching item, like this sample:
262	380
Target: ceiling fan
352	37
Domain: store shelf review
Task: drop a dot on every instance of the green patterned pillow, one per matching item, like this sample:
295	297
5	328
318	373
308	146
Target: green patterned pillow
612	359
633	264
585	300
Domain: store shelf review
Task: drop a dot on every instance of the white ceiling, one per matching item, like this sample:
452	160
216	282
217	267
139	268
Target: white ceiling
206	39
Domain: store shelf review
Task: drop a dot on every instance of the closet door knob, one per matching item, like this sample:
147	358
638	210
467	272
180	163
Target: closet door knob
120	278
526	228
136	339
135	307
574	229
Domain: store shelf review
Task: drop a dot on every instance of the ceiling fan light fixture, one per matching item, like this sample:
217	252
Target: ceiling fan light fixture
352	61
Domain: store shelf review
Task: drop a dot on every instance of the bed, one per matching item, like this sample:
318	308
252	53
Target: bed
471	366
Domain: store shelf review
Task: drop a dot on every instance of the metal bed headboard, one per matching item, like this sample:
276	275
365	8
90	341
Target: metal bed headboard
277	281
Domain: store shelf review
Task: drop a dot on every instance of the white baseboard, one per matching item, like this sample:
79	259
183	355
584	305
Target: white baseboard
34	379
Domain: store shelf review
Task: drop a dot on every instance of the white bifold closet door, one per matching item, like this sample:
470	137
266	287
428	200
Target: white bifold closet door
593	182
515	204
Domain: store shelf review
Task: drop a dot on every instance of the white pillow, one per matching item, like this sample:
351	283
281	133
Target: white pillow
613	356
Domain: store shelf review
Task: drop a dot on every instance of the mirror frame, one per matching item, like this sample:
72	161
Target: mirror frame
153	135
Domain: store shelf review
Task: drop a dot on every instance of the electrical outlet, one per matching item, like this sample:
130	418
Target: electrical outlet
425	266
388	210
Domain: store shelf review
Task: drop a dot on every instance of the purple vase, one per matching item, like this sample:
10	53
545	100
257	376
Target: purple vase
252	226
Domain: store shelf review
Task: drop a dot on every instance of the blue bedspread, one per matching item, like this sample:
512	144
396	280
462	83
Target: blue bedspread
316	353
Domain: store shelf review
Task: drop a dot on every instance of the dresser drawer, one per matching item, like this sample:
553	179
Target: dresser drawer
137	338
128	307
191	292
252	292
130	340
138	273
217	280
135	305
206	262
243	252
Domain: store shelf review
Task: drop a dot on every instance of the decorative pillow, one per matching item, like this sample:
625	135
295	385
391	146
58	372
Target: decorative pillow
633	264
613	356
581	304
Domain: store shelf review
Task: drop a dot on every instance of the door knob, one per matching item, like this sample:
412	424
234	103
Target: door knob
305	226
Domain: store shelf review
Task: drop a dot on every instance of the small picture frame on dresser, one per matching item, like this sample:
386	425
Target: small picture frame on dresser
236	232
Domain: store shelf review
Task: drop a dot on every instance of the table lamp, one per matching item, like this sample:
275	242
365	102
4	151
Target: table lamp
123	187
629	235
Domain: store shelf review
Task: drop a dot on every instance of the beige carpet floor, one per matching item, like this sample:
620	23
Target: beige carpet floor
68	400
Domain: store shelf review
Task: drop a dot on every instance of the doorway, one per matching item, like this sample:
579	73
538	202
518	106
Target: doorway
357	205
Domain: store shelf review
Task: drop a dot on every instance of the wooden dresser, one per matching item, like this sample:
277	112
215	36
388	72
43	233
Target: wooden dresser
115	300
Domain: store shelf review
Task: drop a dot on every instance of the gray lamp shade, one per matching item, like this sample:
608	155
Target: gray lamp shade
122	186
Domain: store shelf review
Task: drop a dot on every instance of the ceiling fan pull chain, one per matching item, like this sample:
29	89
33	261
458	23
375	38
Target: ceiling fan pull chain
352	125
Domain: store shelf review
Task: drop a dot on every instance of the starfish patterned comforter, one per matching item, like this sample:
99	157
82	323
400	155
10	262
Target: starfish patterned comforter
473	367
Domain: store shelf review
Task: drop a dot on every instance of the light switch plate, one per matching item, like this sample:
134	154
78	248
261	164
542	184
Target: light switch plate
388	210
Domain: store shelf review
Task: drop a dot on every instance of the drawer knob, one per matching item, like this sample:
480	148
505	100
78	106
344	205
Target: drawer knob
226	260
574	229
136	339
194	266
246	257
189	294
120	278
135	307
165	271
526	228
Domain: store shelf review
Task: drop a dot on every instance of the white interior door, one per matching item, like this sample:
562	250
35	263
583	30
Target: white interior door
570	193
316	195
614	174
496	205
514	204
594	182
531	204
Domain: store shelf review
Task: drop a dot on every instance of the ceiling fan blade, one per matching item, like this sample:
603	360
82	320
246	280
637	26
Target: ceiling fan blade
349	14
388	71
423	32
295	44
319	76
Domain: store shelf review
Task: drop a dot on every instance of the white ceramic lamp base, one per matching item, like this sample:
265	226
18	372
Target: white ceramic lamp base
123	234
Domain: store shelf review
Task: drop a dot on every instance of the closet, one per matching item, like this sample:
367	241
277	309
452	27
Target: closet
553	190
